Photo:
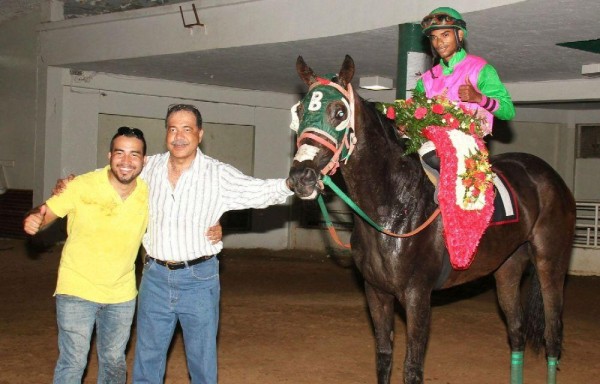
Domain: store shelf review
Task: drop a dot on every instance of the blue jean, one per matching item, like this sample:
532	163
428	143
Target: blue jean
76	318
190	296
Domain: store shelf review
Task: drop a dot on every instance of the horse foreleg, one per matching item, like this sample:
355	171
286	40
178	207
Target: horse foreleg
381	307
508	280
418	318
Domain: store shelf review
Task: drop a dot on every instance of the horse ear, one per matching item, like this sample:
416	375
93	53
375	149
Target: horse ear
305	72
347	72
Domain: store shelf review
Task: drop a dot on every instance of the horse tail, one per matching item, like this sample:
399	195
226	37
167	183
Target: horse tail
534	314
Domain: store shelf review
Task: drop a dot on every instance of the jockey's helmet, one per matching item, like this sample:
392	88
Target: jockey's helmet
443	18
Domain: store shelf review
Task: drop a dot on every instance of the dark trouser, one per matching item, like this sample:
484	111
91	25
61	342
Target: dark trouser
431	164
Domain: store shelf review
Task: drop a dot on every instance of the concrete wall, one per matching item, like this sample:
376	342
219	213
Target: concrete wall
585	262
18	94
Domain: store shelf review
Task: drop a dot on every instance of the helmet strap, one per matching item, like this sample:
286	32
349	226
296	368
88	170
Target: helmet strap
459	42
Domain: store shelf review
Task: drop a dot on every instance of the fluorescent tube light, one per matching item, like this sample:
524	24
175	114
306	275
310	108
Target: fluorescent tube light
376	83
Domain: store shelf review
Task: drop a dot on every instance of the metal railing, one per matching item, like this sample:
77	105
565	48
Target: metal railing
587	225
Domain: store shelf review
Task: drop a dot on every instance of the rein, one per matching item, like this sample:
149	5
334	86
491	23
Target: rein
328	182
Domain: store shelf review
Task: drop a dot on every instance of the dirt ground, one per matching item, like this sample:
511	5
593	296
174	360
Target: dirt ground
293	317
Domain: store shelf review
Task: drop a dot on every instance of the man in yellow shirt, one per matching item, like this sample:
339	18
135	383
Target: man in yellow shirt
107	212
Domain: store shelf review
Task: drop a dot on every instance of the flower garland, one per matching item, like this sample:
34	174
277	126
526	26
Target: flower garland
415	114
477	177
464	225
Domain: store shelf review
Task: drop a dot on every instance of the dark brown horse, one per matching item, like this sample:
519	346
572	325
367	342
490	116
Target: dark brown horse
393	190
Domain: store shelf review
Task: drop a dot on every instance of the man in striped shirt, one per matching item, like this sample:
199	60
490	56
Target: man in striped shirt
188	192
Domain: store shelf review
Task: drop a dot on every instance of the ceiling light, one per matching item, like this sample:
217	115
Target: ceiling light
376	83
590	70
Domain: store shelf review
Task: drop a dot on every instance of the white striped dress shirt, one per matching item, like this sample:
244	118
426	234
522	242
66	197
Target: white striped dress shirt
180	217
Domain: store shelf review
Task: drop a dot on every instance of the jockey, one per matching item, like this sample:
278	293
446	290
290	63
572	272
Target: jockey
460	77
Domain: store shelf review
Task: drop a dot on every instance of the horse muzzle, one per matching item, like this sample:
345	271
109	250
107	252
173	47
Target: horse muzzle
306	183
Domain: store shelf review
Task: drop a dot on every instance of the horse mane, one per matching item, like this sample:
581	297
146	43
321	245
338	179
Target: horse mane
388	128
403	172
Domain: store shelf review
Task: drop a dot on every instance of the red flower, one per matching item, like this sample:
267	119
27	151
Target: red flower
391	113
438	108
420	113
480	176
470	163
453	123
475	192
472	128
467	182
409	101
448	117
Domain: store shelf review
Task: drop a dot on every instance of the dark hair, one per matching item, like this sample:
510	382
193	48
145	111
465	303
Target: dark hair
184	107
129	132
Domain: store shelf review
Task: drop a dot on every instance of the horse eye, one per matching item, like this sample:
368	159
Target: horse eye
340	114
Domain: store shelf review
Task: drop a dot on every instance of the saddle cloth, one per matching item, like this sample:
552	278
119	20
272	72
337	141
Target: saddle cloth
506	206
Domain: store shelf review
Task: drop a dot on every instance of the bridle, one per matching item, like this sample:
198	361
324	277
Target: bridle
342	148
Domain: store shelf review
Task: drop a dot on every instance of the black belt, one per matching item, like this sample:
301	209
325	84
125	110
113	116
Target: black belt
180	264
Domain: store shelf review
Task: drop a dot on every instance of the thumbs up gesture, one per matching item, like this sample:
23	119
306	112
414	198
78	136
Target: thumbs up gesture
467	92
33	222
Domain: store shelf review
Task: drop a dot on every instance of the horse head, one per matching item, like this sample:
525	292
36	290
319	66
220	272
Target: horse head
324	121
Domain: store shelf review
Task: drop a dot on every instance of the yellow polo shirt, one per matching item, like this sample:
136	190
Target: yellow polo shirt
104	235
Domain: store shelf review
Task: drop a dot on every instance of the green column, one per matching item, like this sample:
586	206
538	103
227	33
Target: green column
410	39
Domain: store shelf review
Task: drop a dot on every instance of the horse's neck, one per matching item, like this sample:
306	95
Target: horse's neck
379	147
378	173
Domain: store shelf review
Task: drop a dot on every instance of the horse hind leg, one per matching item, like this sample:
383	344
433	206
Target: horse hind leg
508	287
381	308
552	290
544	324
551	259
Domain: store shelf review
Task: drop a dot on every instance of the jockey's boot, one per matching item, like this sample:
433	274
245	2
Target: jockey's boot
431	164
